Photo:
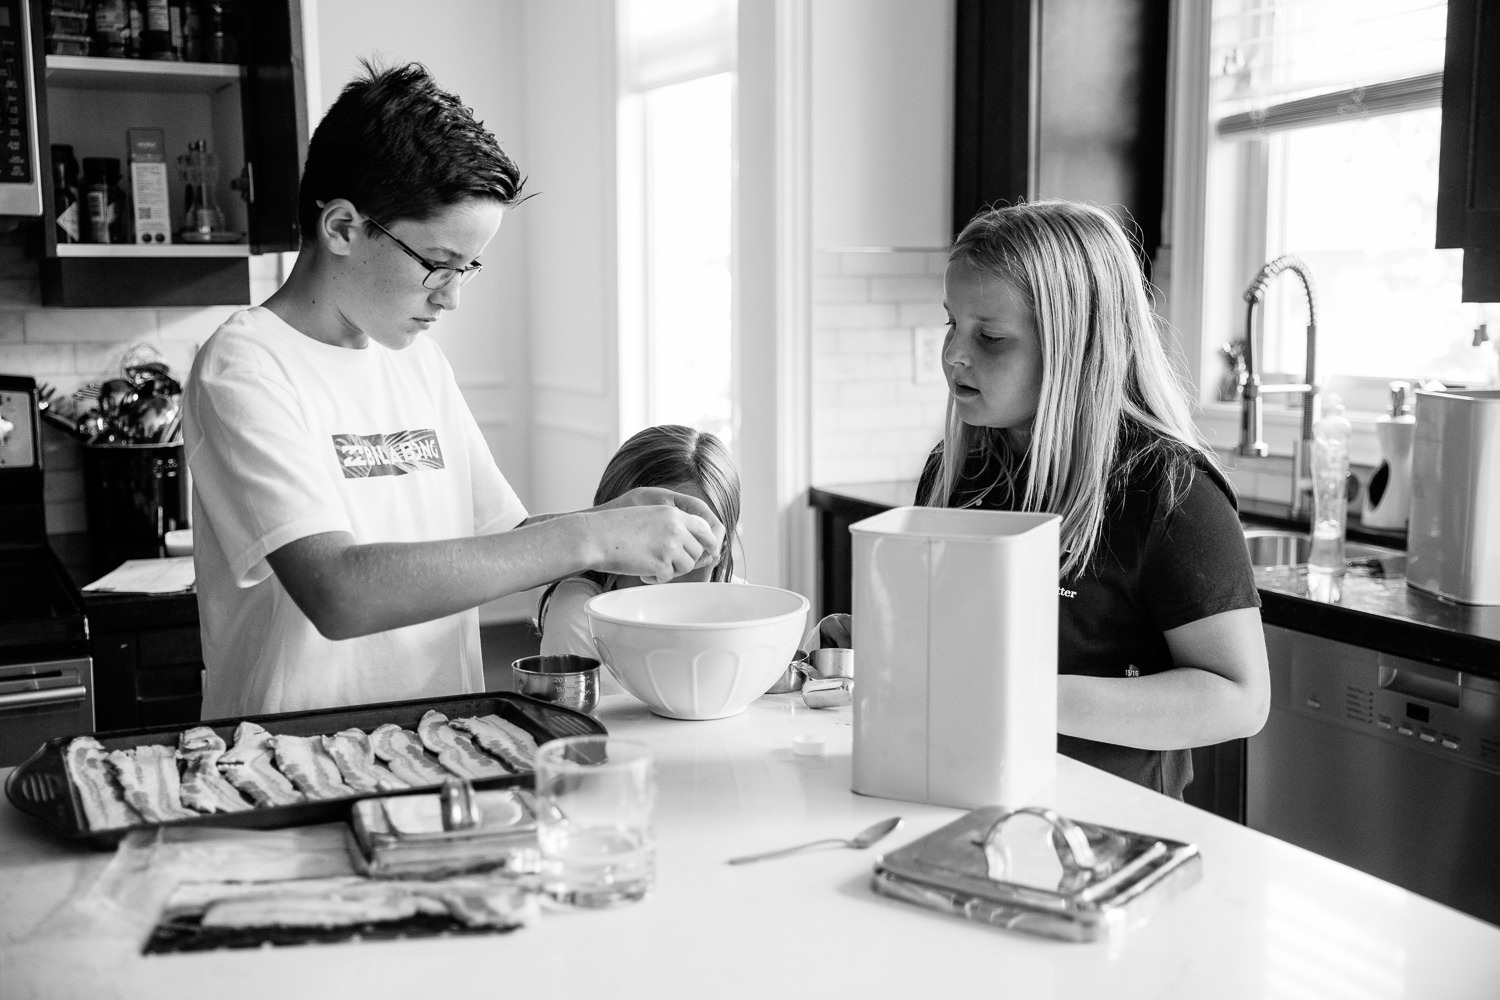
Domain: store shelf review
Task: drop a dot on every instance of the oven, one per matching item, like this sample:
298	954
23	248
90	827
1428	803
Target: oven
46	673
20	58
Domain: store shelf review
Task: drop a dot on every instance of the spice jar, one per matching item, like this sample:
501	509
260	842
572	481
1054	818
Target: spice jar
104	199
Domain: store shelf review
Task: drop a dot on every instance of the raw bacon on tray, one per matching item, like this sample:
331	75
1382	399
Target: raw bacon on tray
512	744
312	770
203	787
104	805
402	751
351	751
455	750
249	767
148	774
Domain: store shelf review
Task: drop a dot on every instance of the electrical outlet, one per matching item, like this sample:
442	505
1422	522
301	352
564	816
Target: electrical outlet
927	354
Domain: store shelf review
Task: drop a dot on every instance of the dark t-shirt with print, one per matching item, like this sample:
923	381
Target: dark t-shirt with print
1156	568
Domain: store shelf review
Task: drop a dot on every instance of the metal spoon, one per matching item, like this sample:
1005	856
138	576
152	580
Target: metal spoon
859	841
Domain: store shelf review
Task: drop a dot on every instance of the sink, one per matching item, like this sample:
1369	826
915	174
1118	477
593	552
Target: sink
1274	547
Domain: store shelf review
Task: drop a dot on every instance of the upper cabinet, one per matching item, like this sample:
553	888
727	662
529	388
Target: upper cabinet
1468	214
881	129
1062	99
249	115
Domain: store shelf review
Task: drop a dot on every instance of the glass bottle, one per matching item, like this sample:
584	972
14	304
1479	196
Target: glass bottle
202	218
65	195
1330	470
111	28
104	199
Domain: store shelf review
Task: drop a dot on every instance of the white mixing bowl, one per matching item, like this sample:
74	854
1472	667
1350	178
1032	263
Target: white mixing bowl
697	650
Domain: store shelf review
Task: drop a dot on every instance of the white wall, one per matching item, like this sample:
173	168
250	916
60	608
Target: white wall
472	48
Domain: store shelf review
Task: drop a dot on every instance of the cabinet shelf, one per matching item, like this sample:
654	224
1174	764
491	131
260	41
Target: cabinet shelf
129	250
149	75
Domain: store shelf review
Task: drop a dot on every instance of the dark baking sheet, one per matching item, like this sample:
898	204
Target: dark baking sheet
40	788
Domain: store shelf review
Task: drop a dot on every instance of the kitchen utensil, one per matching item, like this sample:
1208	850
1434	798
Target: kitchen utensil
861	840
697	650
1078	881
564	679
828	663
828	692
793	677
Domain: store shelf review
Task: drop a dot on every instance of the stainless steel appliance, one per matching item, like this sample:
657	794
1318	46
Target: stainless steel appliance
46	674
20	55
1385	764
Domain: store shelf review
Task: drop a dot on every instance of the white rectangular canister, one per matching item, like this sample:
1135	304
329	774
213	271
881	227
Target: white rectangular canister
955	638
1453	536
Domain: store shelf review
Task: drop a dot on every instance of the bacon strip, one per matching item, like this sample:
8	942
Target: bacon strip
249	768
351	751
203	787
512	744
148	774
455	750
303	759
402	751
104	805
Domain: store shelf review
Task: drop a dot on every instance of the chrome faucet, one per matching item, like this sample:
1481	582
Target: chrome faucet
1252	441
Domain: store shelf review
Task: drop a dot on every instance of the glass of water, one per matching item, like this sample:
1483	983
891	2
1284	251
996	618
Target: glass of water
595	795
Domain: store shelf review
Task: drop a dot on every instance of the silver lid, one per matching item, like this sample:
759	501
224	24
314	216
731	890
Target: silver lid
1034	870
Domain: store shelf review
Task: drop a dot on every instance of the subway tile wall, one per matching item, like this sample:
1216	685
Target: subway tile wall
66	348
875	416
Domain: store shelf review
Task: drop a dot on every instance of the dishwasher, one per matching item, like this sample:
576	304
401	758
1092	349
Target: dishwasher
1388	765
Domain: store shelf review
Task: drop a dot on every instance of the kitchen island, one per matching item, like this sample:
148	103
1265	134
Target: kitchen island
1266	920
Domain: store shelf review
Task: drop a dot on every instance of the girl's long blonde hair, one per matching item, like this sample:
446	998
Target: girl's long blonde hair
1106	376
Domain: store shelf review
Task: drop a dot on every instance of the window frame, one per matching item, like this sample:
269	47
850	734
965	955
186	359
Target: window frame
1200	300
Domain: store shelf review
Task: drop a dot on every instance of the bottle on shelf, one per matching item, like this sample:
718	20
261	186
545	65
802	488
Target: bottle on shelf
220	40
104	199
1389	494
69	217
202	220
156	35
111	29
1330	471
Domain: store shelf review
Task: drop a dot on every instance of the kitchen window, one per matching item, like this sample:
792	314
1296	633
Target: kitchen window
676	145
1311	127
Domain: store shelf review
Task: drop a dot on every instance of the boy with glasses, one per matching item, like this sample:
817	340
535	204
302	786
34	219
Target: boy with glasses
348	516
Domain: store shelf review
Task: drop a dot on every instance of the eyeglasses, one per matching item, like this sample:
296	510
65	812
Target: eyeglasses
438	275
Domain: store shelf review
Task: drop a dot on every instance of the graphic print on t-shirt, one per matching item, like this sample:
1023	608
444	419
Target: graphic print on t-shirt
364	455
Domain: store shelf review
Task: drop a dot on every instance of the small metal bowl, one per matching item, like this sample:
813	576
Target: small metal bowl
793	677
830	662
563	679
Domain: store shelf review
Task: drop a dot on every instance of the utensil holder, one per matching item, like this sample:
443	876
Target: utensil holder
134	493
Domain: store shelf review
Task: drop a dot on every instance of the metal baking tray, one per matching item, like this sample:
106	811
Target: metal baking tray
40	788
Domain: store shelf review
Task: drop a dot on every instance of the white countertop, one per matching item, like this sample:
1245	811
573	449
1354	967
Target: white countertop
1267	919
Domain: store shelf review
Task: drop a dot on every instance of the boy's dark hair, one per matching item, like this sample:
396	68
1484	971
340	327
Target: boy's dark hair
400	147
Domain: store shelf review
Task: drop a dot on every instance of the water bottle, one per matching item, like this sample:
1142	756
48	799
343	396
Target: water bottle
1330	469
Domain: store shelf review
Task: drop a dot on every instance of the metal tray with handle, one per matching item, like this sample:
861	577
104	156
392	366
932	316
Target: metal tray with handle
40	787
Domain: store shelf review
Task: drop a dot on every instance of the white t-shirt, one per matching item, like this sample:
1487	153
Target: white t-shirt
288	437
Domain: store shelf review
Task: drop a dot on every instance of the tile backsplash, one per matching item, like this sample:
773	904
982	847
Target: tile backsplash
66	348
875	414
